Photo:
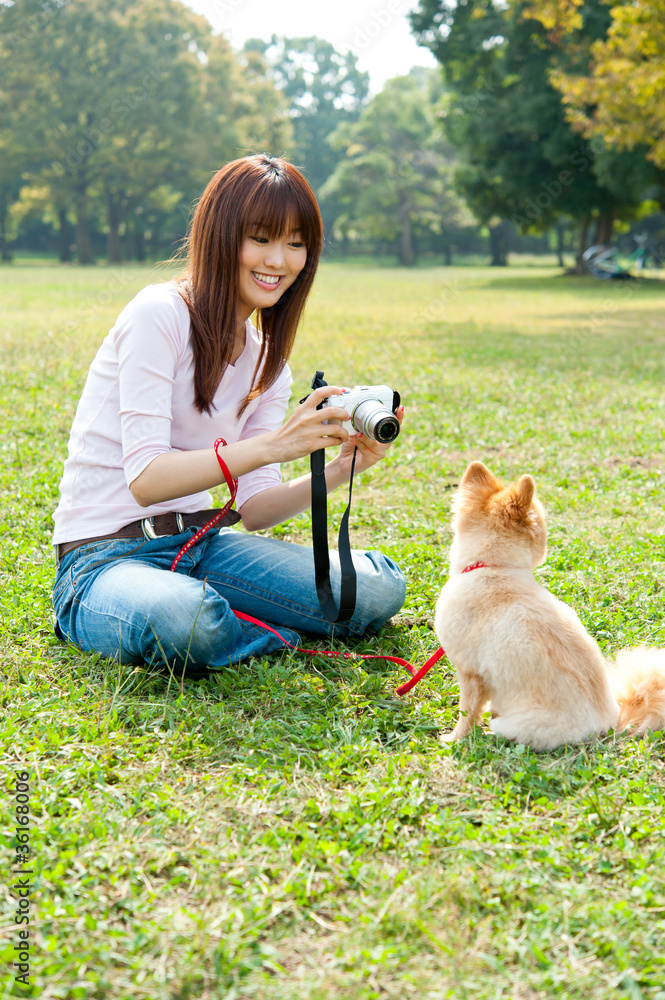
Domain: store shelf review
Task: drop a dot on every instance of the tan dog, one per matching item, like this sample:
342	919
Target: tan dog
519	650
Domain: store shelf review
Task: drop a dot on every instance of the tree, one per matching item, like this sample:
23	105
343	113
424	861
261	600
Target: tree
266	122
322	89
17	153
118	101
114	104
153	138
394	179
620	97
522	159
10	186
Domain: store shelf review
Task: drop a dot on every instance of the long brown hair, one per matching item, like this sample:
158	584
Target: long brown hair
272	196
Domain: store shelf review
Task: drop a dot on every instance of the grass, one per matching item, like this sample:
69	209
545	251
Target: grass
292	829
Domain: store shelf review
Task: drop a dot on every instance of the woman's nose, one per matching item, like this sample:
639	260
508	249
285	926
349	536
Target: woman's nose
274	255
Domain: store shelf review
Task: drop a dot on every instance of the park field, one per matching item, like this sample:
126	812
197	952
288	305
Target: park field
291	829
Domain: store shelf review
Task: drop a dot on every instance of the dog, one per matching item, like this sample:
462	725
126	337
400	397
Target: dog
516	648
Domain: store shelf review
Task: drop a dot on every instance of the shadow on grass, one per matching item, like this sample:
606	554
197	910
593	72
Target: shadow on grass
584	285
276	715
283	709
588	347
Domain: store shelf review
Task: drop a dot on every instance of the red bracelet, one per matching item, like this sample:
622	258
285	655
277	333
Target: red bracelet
230	481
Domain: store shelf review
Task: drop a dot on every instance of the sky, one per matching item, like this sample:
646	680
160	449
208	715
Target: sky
377	31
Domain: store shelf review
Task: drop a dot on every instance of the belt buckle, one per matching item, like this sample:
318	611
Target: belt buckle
148	527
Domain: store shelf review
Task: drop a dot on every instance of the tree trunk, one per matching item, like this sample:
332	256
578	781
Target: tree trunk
499	245
64	238
604	229
113	251
5	252
583	244
407	255
139	243
83	240
560	244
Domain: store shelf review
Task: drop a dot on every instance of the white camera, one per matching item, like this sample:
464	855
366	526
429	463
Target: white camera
372	410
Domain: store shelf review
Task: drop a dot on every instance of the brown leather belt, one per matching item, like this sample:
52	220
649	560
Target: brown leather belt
155	527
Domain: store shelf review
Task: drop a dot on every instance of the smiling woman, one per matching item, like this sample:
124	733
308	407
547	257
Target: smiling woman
184	394
248	201
267	268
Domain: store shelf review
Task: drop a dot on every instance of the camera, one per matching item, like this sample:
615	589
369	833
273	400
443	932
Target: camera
372	410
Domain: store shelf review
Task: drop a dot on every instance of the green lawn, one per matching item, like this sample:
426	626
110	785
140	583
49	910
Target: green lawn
293	829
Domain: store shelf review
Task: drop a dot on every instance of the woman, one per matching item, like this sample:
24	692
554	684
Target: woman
183	395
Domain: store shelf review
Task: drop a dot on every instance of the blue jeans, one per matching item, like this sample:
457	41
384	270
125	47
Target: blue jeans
119	598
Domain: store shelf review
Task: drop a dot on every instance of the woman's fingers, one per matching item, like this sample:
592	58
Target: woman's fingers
332	414
318	395
309	428
327	416
369	450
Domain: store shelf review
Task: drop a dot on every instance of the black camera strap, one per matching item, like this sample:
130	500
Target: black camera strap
347	595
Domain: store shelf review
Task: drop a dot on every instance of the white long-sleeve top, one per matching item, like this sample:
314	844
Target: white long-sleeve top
138	402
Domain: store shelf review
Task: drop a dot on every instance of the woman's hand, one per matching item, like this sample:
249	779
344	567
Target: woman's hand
309	429
275	505
369	451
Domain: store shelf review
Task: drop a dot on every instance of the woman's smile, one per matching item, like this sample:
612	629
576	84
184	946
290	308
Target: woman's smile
271	280
266	268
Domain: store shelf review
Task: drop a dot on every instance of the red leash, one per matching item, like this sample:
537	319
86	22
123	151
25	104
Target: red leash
416	674
233	489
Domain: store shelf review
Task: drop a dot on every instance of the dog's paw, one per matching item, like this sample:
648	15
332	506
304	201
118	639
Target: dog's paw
447	738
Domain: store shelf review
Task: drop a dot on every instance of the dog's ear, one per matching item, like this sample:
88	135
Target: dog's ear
523	493
478	475
526	489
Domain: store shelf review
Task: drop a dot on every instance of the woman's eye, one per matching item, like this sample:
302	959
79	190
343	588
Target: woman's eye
296	244
259	239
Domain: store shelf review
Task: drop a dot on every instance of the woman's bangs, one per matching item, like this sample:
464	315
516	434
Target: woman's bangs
280	210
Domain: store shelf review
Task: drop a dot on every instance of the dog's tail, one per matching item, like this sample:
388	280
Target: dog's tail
638	684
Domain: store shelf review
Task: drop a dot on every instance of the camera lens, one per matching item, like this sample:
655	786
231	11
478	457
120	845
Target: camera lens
387	429
376	421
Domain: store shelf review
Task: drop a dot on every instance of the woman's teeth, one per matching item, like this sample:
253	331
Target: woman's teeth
268	279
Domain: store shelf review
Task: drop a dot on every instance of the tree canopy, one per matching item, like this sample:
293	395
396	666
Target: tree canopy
114	116
522	159
620	96
121	111
394	180
322	88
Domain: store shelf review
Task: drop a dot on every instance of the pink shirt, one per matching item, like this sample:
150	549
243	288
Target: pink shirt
138	402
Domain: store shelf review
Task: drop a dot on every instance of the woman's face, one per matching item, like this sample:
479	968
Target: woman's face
266	268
